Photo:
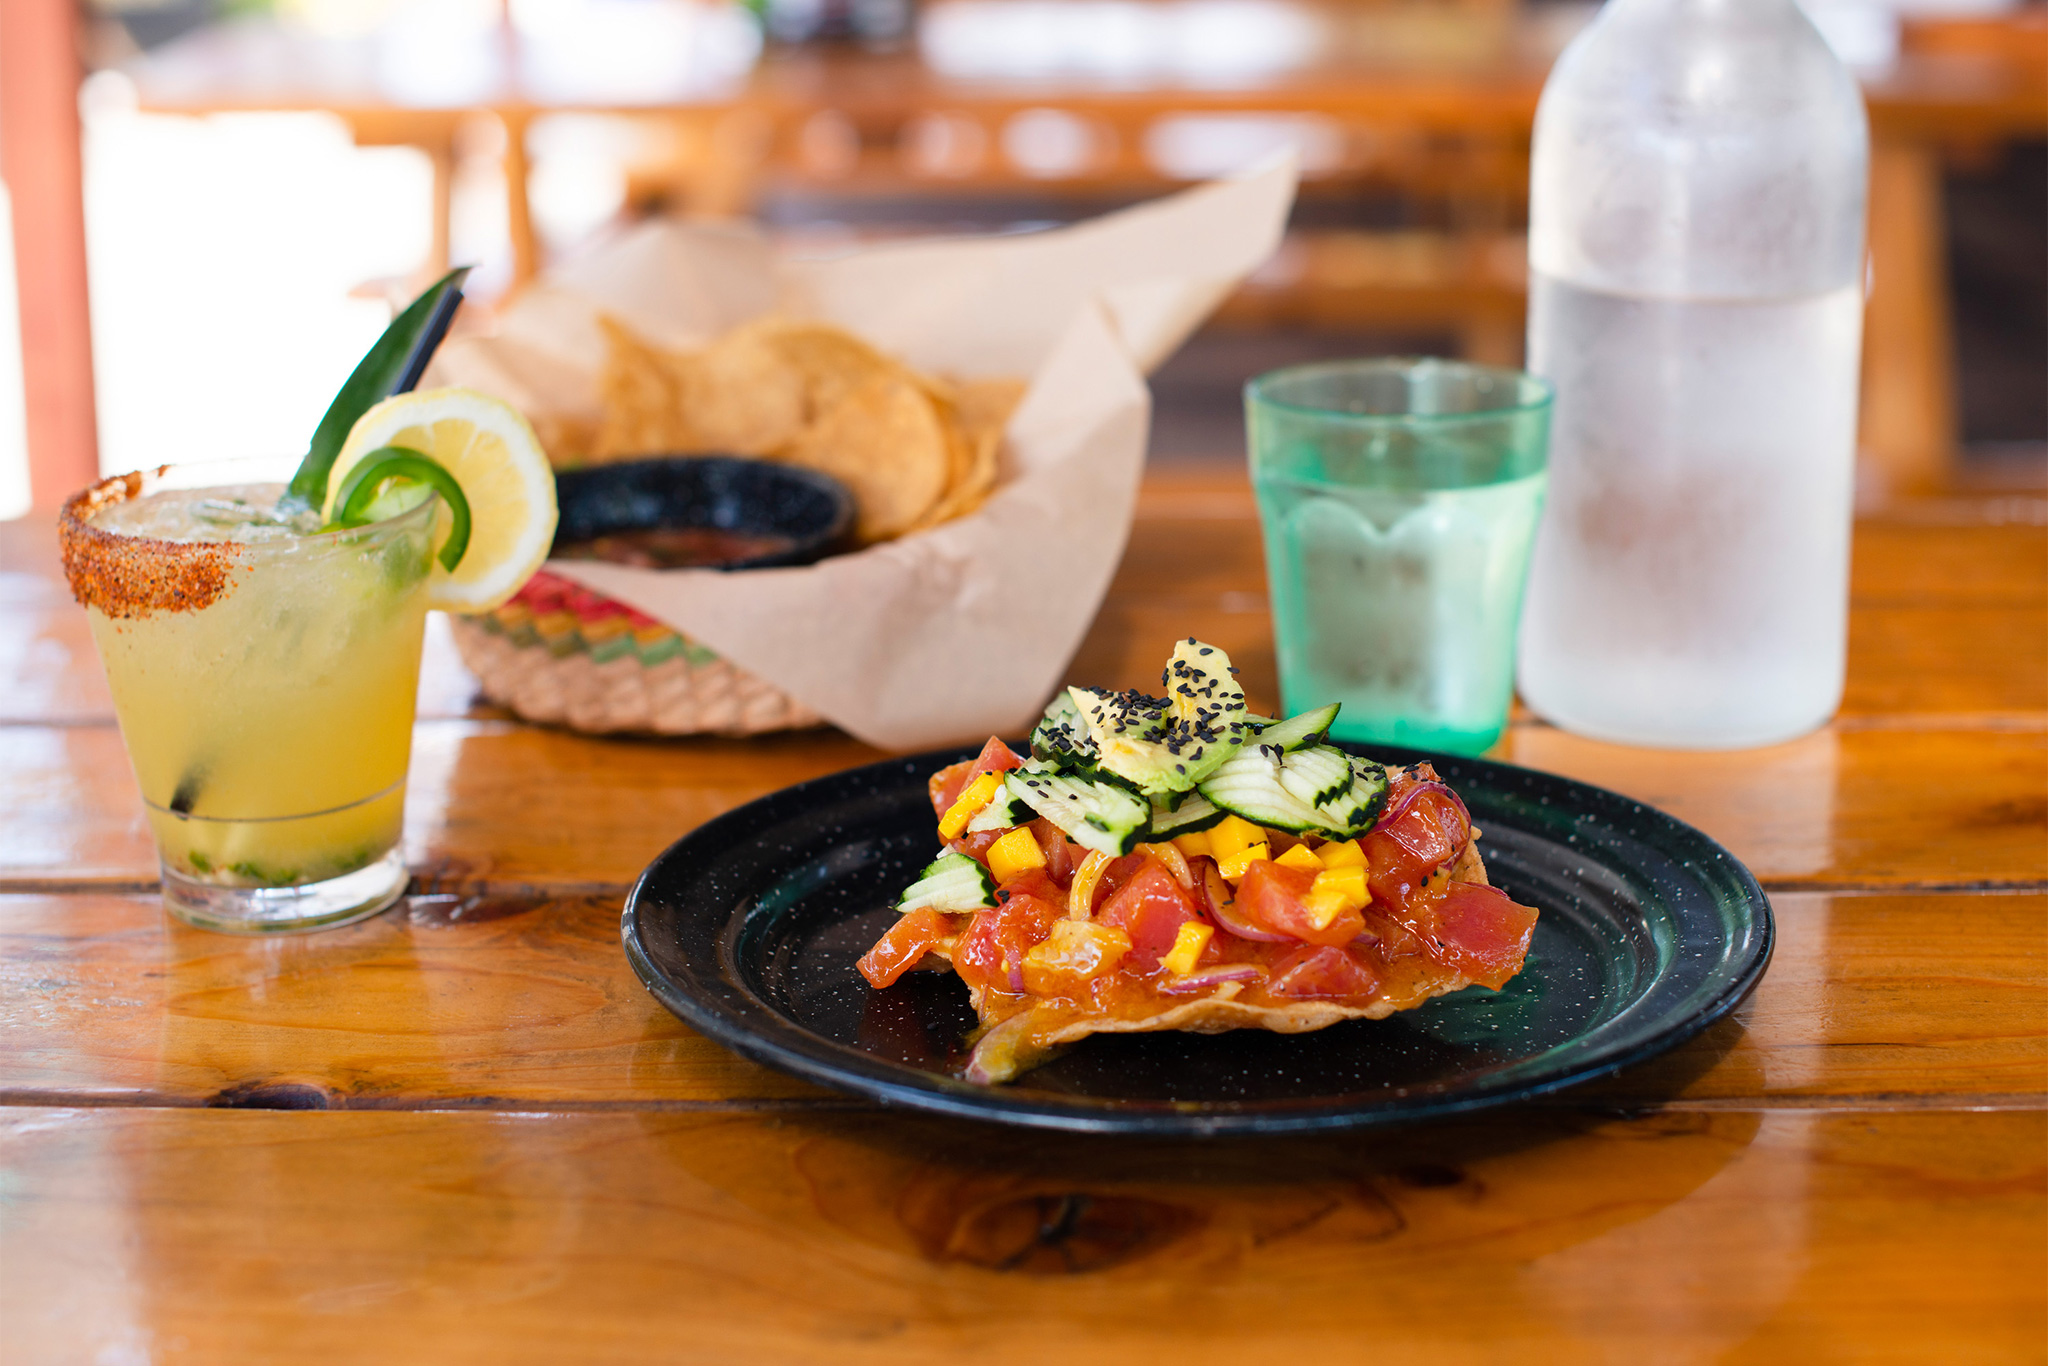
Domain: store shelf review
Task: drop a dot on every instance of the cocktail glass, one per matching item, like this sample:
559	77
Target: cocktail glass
264	677
1399	498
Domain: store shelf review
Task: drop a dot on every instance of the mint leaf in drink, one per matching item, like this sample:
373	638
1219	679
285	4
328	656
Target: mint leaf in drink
392	366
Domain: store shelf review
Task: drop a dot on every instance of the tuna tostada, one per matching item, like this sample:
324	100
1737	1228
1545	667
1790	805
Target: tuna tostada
1178	863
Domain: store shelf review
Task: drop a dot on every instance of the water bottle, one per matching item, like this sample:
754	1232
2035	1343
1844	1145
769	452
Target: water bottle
1696	297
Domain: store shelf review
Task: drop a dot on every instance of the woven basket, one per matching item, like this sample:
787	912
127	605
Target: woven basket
562	654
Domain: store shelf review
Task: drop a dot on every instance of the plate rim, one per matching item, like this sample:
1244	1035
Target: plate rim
898	1086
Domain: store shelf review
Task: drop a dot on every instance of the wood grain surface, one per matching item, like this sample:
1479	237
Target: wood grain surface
843	1237
499	1147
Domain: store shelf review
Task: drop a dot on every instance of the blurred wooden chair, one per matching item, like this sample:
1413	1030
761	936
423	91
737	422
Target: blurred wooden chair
1911	430
1395	130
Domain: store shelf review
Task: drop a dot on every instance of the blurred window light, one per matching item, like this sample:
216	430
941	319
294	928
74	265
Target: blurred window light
1199	42
342	18
13	430
1241	38
480	208
626	52
1199	146
1052	144
441	53
224	252
944	146
577	183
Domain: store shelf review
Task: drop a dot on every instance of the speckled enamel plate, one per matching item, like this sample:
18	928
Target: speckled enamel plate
749	927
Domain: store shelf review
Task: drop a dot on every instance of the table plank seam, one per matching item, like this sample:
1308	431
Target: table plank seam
1631	1107
553	891
2018	887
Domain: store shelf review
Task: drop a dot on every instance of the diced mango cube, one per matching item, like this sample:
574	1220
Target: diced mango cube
1342	854
1188	942
1336	890
1235	866
968	804
1195	844
1232	835
1302	857
1015	853
1323	907
1350	881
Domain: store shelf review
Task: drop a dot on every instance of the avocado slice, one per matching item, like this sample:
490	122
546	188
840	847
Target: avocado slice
1168	744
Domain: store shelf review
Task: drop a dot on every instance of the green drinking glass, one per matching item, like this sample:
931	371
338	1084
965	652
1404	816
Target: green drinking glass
1399	499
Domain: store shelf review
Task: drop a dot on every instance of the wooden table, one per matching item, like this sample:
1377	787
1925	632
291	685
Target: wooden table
463	1132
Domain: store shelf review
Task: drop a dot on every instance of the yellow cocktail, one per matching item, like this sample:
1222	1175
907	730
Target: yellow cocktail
264	674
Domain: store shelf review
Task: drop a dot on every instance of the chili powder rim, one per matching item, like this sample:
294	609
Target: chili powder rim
129	576
135	576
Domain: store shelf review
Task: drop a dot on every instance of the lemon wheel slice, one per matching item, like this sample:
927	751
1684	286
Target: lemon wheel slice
492	452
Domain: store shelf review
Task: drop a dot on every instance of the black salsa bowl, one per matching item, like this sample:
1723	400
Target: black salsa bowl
767	514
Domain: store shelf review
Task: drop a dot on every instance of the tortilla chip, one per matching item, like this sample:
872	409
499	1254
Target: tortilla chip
986	404
977	413
973	476
885	441
831	363
642	393
740	396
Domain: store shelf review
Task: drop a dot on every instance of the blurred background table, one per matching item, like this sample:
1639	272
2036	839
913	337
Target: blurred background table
462	1131
1411	121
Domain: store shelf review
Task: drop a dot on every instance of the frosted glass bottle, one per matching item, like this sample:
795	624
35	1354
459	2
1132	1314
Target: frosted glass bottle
1696	253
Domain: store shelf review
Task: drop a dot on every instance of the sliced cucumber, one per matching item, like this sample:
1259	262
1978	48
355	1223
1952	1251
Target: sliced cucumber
1004	810
1248	785
1321	788
1062	737
1195	812
1359	805
1298	732
1316	775
951	882
1094	814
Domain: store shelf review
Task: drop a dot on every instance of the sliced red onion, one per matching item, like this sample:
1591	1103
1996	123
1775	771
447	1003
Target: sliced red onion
1234	922
1208	979
1223	910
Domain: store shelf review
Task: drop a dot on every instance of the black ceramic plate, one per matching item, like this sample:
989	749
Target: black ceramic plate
749	927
